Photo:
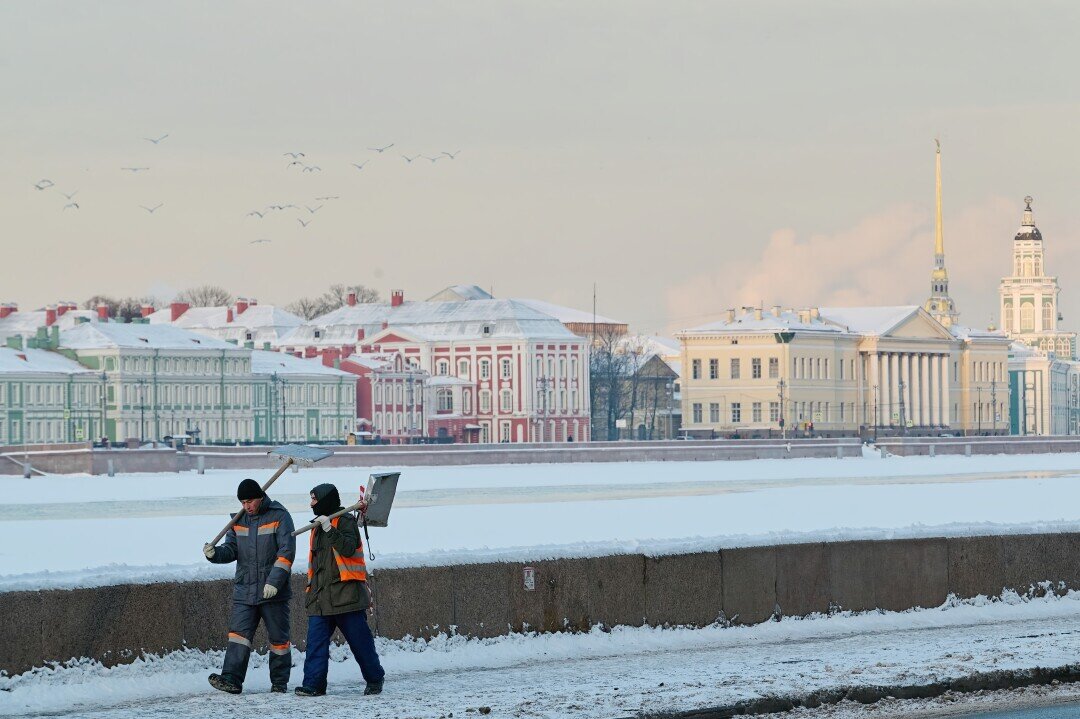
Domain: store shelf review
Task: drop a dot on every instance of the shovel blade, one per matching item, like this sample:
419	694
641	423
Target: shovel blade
300	454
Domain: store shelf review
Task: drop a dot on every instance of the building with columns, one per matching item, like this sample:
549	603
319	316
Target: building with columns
841	370
1029	297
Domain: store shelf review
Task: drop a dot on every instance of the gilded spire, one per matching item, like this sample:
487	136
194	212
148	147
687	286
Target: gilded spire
939	240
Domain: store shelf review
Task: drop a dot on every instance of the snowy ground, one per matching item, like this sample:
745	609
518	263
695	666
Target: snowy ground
619	673
448	515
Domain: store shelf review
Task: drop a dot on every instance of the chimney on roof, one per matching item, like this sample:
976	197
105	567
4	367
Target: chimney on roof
15	342
50	315
61	308
177	309
347	351
241	305
731	315
252	302
397	298
330	355
351	299
266	346
7	309
758	313
814	313
310	352
298	354
804	317
146	309
228	315
776	310
102	312
385	324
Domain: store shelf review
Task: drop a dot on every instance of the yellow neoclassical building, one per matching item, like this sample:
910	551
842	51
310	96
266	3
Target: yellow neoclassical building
842	370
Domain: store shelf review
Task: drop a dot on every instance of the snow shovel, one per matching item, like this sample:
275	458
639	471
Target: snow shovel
292	454
375	512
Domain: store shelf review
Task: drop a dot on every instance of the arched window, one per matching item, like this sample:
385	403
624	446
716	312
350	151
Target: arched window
444	400
506	401
1048	316
463	368
1027	317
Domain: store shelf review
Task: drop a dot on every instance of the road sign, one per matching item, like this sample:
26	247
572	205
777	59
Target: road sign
529	576
79	433
818	416
896	416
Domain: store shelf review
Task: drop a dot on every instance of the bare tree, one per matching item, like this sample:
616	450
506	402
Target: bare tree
205	296
335	296
306	307
609	370
124	308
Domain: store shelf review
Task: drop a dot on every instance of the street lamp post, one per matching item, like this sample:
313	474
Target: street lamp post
542	385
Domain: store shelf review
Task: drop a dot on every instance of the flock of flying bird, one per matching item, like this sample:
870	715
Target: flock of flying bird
299	159
295	160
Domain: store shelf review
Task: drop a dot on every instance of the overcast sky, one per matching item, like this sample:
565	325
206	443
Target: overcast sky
686	157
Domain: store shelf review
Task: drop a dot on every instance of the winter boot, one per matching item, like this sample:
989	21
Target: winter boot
278	689
373	687
303	691
222	684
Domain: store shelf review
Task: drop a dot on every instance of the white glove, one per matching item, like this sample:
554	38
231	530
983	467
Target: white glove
323	520
269	590
208	550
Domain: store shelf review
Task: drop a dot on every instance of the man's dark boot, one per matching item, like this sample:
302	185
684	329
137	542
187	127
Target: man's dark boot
309	692
222	684
374	687
278	689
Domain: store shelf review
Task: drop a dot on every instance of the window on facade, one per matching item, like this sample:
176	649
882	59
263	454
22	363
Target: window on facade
695	369
841	411
714	369
1048	316
755	368
506	401
444	400
1027	317
714	412
504	368
755	412
463	369
735	368
485	369
466	402
774	367
697	412
774	412
442	367
736	412
504	431
826	375
485	401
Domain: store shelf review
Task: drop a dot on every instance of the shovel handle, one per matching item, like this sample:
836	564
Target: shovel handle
335	515
213	542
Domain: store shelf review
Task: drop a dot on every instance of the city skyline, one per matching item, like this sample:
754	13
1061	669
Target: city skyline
683	161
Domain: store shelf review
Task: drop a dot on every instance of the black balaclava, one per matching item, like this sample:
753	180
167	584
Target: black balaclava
249	489
327	500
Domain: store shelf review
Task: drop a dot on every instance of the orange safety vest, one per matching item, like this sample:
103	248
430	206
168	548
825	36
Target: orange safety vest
350	569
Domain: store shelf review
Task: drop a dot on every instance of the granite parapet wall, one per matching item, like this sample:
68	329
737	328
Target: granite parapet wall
746	585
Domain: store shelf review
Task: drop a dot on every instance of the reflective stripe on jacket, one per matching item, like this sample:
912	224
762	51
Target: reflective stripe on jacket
263	548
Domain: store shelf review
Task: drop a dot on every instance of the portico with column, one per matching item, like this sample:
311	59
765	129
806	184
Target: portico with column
908	377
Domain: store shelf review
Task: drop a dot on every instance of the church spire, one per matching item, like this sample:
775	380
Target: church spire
940	305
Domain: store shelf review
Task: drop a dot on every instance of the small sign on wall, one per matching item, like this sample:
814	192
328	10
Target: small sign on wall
529	575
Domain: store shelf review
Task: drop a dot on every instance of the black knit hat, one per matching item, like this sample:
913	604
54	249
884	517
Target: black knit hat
249	489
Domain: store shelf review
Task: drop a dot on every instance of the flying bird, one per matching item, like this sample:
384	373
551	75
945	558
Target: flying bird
361	165
151	210
71	195
433	159
43	184
313	211
452	155
150	139
255	212
312	168
302	223
134	169
409	159
293	155
255	242
294	162
328	197
381	149
72	204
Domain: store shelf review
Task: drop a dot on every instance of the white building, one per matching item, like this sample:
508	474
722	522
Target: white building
245	321
46	397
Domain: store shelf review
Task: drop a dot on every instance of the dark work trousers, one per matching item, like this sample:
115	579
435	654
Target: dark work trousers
355	628
242	624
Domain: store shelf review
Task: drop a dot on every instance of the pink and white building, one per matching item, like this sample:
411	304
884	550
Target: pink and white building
471	370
